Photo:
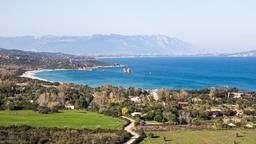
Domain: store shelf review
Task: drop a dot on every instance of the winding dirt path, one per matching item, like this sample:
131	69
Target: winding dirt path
130	129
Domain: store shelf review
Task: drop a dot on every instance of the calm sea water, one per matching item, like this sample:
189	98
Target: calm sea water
190	73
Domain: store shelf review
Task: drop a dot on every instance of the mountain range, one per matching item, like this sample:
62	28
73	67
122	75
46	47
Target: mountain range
100	45
242	54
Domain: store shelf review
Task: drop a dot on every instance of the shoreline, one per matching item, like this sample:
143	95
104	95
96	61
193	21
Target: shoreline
31	74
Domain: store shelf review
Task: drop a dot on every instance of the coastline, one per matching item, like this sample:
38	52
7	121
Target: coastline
31	74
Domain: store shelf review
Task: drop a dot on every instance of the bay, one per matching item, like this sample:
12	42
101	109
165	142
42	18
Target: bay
167	72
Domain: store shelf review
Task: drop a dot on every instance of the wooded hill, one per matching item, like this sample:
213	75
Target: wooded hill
15	62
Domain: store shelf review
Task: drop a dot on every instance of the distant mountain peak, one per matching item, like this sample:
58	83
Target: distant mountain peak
111	44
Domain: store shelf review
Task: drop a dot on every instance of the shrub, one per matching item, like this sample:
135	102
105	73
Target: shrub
158	118
44	110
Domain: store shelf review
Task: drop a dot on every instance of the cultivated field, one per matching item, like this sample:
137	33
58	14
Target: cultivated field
203	137
64	119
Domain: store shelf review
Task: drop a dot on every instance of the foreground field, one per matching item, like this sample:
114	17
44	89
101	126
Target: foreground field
203	137
64	119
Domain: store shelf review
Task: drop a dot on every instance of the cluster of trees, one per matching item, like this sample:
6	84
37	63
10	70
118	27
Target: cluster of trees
27	134
116	101
38	95
111	100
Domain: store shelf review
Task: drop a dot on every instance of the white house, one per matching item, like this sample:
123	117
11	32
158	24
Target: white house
155	95
235	94
69	107
136	113
136	99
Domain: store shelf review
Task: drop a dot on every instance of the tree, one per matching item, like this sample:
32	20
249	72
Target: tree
125	111
158	118
172	118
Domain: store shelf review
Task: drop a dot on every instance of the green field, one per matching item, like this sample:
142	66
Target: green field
64	119
203	137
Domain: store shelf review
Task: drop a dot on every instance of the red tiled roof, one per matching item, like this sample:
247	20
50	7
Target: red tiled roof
182	102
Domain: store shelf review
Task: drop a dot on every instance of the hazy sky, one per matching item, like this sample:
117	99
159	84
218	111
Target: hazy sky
212	24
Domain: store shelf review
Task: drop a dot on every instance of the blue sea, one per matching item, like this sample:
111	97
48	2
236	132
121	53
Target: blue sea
167	72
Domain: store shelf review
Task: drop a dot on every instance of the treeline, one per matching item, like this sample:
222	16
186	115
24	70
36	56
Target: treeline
26	134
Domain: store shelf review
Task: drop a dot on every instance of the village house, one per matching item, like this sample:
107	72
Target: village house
70	106
154	94
136	114
183	105
135	99
235	95
231	125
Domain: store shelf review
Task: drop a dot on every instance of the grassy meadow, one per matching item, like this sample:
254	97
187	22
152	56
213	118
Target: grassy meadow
65	119
203	137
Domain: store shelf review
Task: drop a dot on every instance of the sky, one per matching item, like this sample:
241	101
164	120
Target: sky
228	25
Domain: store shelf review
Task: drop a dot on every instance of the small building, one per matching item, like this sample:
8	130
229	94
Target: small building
231	125
136	99
183	105
136	114
154	94
235	94
69	107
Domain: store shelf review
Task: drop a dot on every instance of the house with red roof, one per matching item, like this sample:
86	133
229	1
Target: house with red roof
183	105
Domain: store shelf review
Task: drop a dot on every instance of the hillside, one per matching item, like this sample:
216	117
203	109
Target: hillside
45	60
244	54
15	62
100	44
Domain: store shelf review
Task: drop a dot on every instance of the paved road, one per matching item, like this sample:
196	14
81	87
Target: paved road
130	129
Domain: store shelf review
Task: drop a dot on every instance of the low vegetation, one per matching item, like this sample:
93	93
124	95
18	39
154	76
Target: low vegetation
43	135
238	136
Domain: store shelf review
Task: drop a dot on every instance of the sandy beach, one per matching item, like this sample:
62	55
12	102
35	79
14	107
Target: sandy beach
31	74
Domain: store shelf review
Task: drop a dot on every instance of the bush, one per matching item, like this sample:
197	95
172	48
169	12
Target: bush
44	110
158	118
54	110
